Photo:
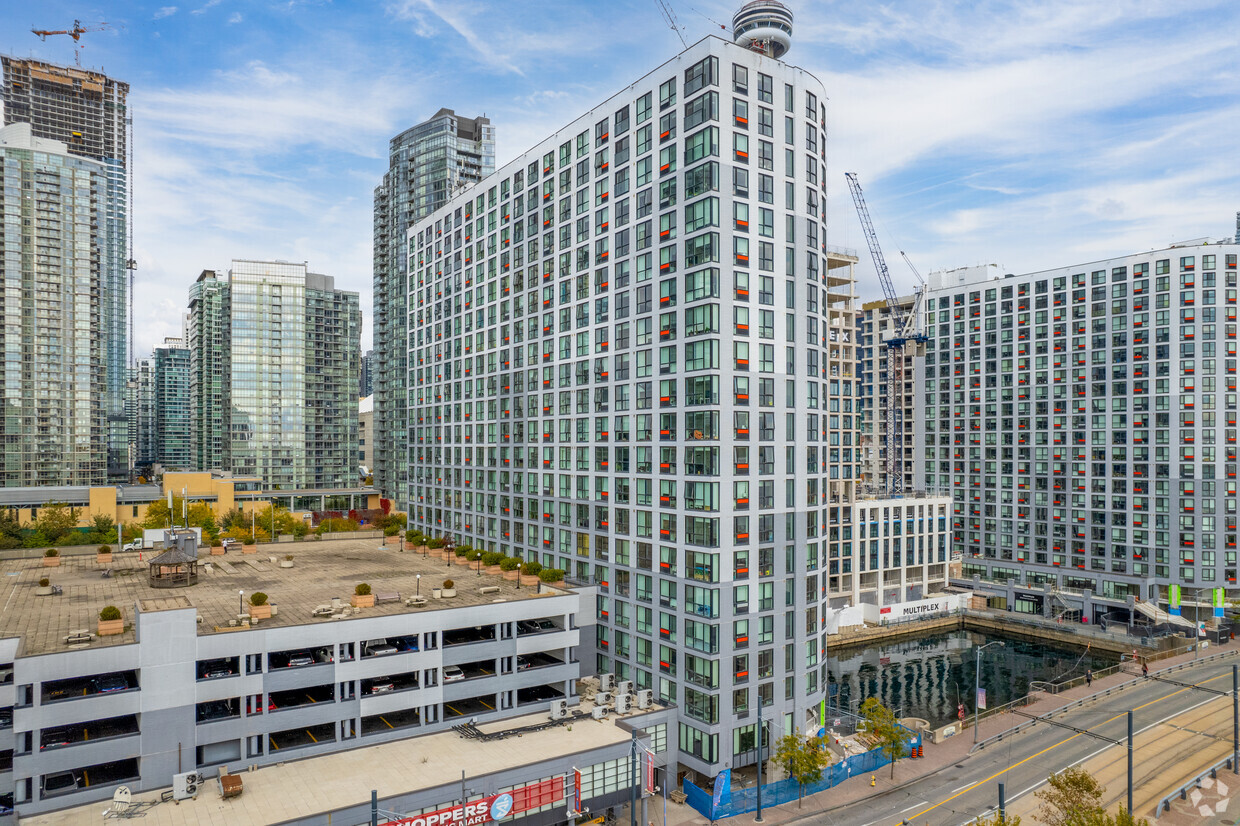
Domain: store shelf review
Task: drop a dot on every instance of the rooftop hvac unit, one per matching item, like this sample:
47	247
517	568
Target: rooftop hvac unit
598	712
602	698
185	785
607	682
624	687
645	698
559	709
624	703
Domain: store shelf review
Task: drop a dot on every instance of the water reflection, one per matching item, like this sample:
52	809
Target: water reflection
928	677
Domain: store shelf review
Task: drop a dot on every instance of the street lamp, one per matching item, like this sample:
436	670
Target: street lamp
240	603
479	558
418	592
977	683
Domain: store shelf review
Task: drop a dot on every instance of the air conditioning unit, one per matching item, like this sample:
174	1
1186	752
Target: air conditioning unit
624	703
598	712
559	709
624	687
645	698
185	785
602	698
607	682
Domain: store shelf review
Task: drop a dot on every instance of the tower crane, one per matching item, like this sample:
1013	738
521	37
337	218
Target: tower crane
76	33
906	330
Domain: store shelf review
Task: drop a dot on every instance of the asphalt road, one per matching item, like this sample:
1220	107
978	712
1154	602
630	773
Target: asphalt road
1179	731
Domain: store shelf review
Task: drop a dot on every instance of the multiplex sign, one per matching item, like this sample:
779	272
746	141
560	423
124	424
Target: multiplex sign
912	609
473	813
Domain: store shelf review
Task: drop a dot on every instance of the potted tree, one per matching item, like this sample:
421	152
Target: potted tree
362	597
552	576
51	558
103	555
529	572
110	621
449	589
464	554
287	562
411	537
509	566
259	609
492	559
44	589
437	545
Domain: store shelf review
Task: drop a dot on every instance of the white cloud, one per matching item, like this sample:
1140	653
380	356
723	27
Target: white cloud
235	17
164	11
207	5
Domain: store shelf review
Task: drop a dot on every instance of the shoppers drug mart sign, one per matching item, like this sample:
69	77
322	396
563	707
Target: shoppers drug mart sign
487	809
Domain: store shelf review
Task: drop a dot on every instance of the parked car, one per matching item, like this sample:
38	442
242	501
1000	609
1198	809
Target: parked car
382	686
378	648
527	627
137	545
54	738
216	668
108	683
214	710
300	658
57	782
453	674
524	663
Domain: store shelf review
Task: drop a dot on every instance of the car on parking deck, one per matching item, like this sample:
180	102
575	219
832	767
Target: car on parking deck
300	658
109	683
453	674
54	738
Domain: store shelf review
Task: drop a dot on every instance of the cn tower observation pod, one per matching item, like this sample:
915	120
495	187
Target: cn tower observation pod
764	26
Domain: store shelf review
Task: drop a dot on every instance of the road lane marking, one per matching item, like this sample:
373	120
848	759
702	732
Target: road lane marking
1057	745
914	806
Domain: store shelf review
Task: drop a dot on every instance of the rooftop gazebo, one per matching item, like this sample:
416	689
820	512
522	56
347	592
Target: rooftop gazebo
174	568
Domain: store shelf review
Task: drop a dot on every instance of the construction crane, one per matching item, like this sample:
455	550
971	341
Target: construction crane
76	33
906	330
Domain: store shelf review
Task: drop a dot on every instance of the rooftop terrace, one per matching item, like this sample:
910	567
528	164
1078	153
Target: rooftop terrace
321	571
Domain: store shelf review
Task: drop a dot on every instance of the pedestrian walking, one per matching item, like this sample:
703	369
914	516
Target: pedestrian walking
1089	678
1145	669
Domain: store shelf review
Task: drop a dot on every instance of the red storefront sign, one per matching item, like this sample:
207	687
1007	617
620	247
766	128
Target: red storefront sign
495	807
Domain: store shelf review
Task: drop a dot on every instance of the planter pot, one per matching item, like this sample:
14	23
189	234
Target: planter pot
408	546
510	575
51	562
367	601
108	628
249	549
286	563
260	612
530	579
43	591
421	549
437	593
103	559
275	609
217	550
494	570
557	584
448	593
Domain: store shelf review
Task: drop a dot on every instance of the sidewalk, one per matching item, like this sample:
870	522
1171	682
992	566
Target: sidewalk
938	757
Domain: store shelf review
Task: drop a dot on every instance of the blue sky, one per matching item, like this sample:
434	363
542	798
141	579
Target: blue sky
1027	134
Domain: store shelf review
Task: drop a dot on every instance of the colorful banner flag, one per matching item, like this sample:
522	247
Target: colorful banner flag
981	698
576	790
1173	599
723	786
1219	598
649	773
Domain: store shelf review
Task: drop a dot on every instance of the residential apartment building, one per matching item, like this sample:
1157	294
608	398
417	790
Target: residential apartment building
273	369
631	356
365	381
366	435
142	417
878	322
172	411
428	163
1084	419
88	113
54	369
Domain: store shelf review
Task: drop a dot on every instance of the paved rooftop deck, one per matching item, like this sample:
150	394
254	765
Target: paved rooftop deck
321	571
307	787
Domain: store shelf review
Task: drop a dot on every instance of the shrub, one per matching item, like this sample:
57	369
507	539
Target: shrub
288	557
51	552
509	563
437	543
448	584
550	574
258	598
362	589
463	550
103	549
44	582
336	525
531	568
391	530
109	613
492	558
412	535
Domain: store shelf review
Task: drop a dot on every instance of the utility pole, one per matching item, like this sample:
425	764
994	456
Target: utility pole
1002	805
758	819
633	777
1235	715
1130	764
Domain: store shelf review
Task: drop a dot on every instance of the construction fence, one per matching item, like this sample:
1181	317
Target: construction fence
741	801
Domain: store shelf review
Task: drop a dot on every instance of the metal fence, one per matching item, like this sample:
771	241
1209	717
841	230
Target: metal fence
741	801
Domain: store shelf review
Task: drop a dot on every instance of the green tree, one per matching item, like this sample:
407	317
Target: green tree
885	730
1072	797
995	820
803	758
105	527
10	530
234	518
55	521
159	515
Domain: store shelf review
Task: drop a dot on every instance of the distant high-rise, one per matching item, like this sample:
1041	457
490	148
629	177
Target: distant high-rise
366	381
172	408
273	375
428	163
88	112
142	413
53	209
